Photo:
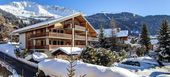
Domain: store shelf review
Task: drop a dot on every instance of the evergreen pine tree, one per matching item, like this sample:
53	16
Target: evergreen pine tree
164	38
144	38
102	41
113	37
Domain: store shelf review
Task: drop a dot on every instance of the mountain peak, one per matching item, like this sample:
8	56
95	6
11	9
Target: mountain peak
28	9
22	4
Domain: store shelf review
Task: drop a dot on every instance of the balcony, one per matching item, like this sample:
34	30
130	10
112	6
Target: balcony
60	35
63	36
53	46
77	27
39	35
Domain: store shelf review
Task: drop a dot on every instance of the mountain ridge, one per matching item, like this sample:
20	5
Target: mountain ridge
31	13
128	21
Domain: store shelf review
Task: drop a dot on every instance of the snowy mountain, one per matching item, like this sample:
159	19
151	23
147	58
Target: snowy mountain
26	9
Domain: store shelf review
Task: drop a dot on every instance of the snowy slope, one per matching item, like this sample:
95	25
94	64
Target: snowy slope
31	9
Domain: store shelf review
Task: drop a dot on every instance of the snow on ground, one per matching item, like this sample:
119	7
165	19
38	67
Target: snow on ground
58	67
9	50
155	72
147	67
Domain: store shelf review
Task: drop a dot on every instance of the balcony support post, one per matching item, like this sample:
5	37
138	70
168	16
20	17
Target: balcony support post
34	42
73	28
47	39
86	38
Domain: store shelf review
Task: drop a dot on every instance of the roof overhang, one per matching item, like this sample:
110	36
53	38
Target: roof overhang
48	23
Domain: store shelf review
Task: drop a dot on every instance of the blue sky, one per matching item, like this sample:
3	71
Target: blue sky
88	7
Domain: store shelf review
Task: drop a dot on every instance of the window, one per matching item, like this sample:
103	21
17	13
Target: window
54	43
62	42
58	42
50	42
62	31
58	30
42	42
54	30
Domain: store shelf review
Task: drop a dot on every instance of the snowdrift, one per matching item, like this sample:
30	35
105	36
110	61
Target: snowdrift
9	50
58	67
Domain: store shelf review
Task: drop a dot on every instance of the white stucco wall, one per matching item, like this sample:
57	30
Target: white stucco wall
22	40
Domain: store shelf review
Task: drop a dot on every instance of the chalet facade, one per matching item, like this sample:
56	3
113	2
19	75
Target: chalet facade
68	31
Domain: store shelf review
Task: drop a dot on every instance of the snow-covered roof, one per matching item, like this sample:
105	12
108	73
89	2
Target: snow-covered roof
46	23
154	41
41	24
122	33
69	50
108	32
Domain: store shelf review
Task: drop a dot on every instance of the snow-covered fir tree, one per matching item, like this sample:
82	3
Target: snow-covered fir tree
102	38
164	40
144	38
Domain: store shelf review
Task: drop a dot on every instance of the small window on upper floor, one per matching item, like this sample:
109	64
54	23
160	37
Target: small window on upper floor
54	42
62	31
54	30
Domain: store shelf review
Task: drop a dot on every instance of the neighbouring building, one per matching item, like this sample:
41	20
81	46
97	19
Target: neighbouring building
66	52
122	35
68	31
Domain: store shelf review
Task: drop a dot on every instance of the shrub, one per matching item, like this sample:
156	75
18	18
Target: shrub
17	53
98	56
141	51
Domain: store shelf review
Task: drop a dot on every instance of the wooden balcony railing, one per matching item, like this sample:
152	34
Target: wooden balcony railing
38	47
39	35
60	35
53	46
63	36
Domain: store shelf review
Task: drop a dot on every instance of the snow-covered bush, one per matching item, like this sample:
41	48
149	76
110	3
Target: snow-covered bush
98	56
122	54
